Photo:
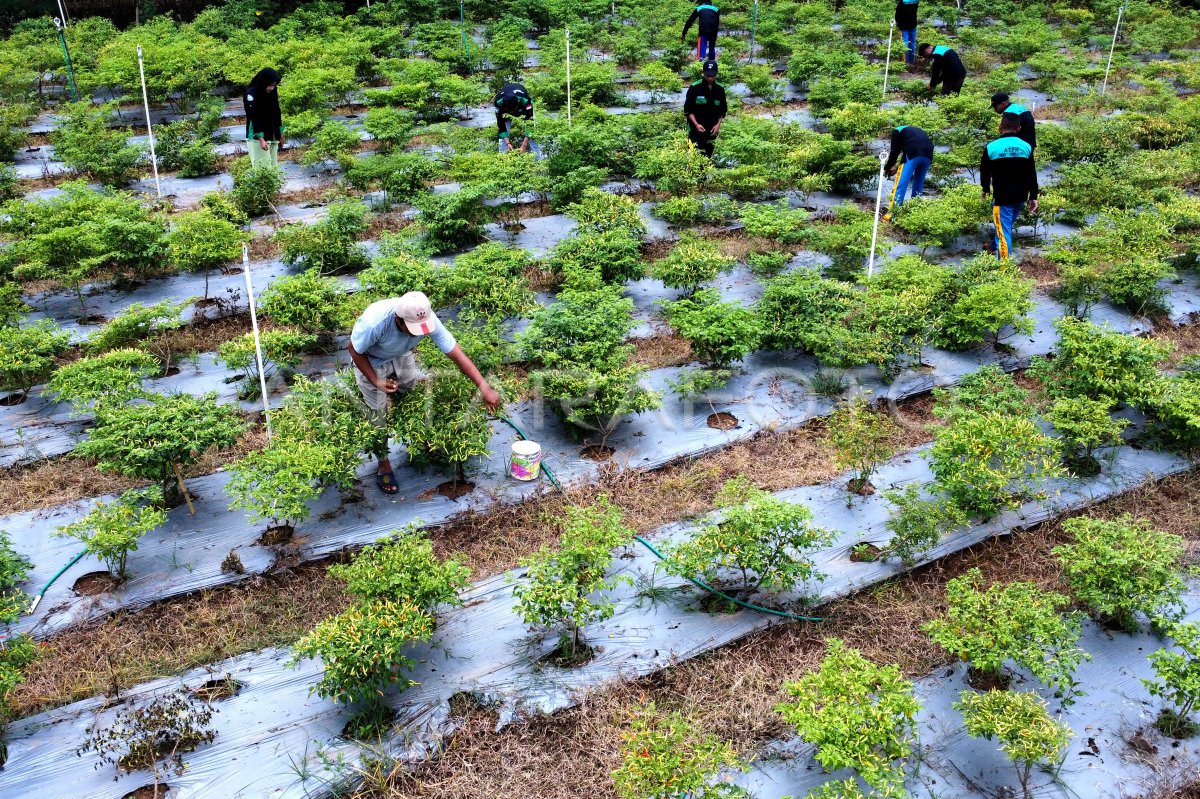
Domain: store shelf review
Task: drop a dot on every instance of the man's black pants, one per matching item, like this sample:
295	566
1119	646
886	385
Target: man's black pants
703	141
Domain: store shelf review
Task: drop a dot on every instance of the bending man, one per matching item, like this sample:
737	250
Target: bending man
381	347
947	68
710	22
916	147
512	101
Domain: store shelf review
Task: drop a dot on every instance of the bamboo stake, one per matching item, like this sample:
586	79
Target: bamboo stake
1116	30
568	77
183	487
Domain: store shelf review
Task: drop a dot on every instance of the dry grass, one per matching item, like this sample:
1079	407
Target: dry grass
736	244
732	691
190	631
1040	270
667	349
1185	340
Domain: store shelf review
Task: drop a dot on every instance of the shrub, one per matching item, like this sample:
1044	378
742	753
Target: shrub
112	530
1178	679
452	220
1084	425
14	568
861	437
308	301
398	174
761	540
488	280
678	168
1175	408
329	413
202	241
1015	621
684	211
1026	732
221	205
27	354
395	271
164	728
720	332
768	264
1096	361
254	187
403	567
603	212
330	244
280	349
391	127
589	259
690	263
858	715
278	482
760	80
918	524
512	175
1123	566
847	243
80	233
109	379
566	587
17	653
776	221
334	141
984	296
186	145
84	142
158	438
660	80
137	324
664	756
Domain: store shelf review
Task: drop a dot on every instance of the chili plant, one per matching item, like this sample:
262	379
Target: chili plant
278	482
112	529
692	262
107	380
403	567
14	568
165	728
202	241
918	524
720	332
28	353
281	349
861	436
1020	723
1084	424
1178	682
663	757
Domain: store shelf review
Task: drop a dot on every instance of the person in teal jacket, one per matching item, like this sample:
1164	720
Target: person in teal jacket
947	68
1006	171
1001	104
710	23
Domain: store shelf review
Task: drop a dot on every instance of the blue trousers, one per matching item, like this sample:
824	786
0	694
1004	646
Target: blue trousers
706	48
1005	217
910	45
911	180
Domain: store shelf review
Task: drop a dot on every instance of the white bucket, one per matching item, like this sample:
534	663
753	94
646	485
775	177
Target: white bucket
525	462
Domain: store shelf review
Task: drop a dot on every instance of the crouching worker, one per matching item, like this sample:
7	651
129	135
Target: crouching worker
915	146
512	101
710	25
381	347
947	68
1007	170
264	123
704	107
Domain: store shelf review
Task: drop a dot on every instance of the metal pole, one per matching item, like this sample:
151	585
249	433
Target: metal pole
875	227
149	129
462	24
62	11
262	378
568	77
1116	30
887	65
753	26
62	37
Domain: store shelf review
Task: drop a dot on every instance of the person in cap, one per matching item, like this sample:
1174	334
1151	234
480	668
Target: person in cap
512	101
381	347
704	108
947	68
710	22
906	23
1001	104
264	121
916	148
1007	171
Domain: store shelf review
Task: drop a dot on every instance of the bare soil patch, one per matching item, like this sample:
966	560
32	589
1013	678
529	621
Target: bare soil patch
722	421
95	583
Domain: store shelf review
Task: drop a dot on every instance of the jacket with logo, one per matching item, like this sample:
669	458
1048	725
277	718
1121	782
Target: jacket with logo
706	103
1007	170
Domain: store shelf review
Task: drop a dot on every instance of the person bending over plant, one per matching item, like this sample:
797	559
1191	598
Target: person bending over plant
381	347
264	121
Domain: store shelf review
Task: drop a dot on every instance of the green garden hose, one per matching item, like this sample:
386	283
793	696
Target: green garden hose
696	582
38	598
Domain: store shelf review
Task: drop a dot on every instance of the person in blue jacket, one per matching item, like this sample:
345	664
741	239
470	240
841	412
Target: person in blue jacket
1007	172
710	22
906	22
947	68
1001	104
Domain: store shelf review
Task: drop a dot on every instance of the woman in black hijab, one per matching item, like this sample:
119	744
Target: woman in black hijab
264	123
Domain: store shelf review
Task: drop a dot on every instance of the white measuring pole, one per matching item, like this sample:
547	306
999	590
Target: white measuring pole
1116	30
149	130
62	11
262	377
568	77
875	227
887	65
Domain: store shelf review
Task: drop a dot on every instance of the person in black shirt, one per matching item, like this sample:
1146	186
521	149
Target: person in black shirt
1001	104
264	122
916	148
906	22
1007	171
704	107
512	101
710	22
947	69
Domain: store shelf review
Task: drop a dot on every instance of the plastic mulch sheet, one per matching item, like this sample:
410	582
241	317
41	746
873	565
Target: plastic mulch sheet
275	740
1115	750
774	392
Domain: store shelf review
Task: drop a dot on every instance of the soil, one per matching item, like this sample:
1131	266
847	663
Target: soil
149	792
865	552
584	654
453	489
171	371
205	302
279	534
13	399
988	682
715	603
93	319
216	690
95	583
597	452
1140	742
1082	466
722	421
862	488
